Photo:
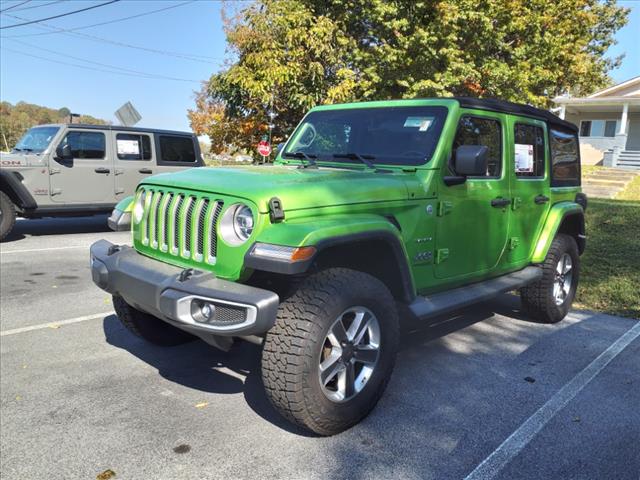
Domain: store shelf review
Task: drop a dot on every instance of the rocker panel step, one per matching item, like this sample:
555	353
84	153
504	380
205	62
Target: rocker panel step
436	304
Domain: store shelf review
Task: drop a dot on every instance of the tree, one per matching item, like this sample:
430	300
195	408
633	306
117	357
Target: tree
288	61
294	54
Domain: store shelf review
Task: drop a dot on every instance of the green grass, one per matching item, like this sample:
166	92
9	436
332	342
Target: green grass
632	191
610	273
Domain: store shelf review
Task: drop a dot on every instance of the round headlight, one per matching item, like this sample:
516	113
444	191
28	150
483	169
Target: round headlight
138	208
236	225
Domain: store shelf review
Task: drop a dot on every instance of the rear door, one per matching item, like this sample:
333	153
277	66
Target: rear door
135	159
87	178
530	190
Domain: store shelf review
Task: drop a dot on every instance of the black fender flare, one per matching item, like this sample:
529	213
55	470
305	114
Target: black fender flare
11	184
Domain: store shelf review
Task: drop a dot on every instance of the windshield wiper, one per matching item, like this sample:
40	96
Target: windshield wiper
311	158
366	159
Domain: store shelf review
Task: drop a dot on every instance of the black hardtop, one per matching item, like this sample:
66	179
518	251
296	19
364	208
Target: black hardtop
121	128
502	106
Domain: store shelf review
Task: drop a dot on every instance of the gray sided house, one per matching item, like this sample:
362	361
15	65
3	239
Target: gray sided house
609	123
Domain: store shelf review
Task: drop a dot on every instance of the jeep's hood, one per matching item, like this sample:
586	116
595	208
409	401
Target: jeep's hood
296	188
18	159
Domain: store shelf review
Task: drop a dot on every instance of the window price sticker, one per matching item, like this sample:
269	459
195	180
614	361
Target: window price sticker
128	147
524	158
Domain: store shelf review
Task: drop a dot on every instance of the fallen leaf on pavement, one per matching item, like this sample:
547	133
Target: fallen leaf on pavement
202	404
106	475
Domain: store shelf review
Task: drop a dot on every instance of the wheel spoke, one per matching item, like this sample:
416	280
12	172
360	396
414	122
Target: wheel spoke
346	380
567	265
565	288
366	354
329	368
338	334
559	267
355	325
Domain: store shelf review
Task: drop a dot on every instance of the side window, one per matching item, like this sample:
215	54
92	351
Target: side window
482	131
177	149
133	146
529	150
88	145
565	157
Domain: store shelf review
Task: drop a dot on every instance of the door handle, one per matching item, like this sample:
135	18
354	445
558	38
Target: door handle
500	202
540	199
145	170
102	170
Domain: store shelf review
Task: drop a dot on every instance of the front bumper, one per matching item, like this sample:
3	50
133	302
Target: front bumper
173	294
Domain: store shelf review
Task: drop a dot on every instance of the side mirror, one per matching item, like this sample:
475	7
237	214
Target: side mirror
471	160
280	147
63	152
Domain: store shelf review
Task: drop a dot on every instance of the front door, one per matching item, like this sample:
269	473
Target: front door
87	178
530	188
473	217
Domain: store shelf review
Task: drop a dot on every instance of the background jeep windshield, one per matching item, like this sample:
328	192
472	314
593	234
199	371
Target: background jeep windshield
36	139
386	135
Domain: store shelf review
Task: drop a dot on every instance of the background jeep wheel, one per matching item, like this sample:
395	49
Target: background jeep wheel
148	327
327	360
549	299
7	215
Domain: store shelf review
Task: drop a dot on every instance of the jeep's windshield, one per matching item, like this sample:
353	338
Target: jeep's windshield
382	135
36	140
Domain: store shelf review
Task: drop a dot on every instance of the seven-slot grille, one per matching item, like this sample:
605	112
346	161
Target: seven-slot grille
180	224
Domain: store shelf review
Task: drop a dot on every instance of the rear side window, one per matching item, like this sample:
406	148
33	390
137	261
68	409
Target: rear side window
177	149
133	146
565	158
528	150
482	131
88	145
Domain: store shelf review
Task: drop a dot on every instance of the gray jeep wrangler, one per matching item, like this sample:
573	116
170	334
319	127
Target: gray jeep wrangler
76	169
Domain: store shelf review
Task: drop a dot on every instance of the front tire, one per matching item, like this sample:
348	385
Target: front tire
329	357
7	215
549	299
148	327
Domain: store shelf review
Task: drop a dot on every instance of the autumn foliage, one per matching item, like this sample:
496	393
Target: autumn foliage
289	55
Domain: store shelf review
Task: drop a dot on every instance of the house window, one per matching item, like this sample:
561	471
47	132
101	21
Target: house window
598	128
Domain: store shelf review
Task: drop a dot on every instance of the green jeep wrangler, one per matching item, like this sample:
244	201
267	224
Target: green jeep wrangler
371	209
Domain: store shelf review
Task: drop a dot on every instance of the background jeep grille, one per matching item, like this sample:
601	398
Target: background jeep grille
182	225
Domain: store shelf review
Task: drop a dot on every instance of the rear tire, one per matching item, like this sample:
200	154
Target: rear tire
549	299
148	327
7	215
329	357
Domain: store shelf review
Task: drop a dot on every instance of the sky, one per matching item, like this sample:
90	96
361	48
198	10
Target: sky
75	69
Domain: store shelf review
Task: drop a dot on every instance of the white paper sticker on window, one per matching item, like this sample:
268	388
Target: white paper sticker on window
128	147
421	123
524	158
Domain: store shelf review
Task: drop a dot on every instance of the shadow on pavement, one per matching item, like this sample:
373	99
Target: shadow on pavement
57	226
202	367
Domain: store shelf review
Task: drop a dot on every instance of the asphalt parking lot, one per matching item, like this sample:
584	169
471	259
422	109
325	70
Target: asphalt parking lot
479	394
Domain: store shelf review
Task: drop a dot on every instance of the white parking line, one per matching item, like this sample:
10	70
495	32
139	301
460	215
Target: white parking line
30	250
502	455
41	326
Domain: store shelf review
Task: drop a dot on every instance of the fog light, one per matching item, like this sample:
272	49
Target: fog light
202	312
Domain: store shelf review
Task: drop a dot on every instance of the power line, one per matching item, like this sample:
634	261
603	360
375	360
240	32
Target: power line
14	6
185	56
60	15
103	23
34	6
141	75
114	67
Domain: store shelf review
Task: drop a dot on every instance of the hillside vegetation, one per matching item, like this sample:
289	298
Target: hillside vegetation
17	119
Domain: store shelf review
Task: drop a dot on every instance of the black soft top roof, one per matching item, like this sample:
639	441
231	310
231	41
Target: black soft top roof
495	105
